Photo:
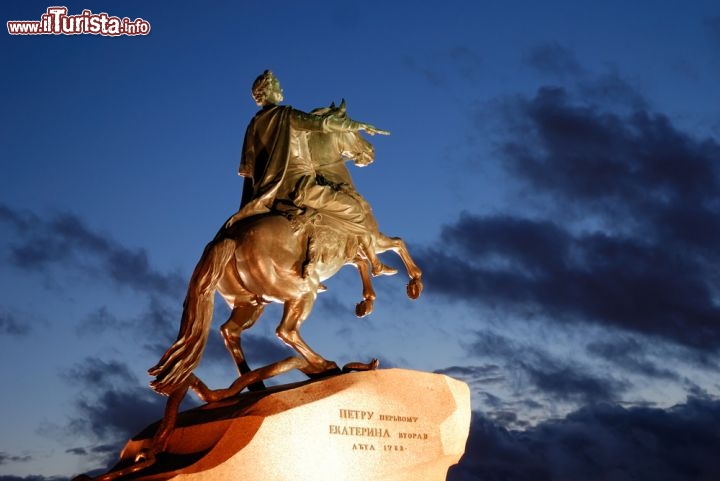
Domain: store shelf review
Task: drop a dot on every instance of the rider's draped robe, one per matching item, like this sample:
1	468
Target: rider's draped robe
276	164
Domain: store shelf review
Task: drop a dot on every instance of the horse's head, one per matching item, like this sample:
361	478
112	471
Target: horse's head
350	145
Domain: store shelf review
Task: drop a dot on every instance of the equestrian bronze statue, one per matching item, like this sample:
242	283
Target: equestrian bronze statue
300	220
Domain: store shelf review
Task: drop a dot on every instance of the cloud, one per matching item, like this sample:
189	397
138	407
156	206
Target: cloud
552	377
488	373
553	58
111	407
20	221
101	320
625	167
65	240
625	228
602	441
569	384
533	267
488	383
10	326
32	477
630	355
96	374
158	322
77	451
116	414
612	90
259	350
102	449
12	458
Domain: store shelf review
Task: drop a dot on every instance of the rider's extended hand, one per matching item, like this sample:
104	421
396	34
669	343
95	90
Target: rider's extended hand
372	130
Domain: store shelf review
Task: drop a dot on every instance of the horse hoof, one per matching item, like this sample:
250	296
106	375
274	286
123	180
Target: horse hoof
414	288
363	308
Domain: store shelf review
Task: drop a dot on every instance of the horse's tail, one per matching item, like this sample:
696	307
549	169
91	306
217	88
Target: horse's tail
183	356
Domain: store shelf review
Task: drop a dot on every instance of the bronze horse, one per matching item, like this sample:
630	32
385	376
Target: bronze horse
259	260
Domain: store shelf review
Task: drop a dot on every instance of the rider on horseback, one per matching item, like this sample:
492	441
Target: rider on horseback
278	167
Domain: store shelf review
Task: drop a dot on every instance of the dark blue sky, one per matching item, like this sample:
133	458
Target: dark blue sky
553	167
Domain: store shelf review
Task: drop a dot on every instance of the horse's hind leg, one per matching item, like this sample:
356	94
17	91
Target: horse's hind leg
241	318
396	244
295	312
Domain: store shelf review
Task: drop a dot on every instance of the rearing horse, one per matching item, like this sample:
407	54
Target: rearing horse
259	260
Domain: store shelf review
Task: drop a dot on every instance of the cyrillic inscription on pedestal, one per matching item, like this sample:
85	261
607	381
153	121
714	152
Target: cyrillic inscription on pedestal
384	425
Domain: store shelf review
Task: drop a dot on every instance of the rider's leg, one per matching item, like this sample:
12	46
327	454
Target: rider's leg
378	268
349	209
325	199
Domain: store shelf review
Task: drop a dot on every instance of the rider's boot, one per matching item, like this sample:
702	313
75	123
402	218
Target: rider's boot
309	265
378	268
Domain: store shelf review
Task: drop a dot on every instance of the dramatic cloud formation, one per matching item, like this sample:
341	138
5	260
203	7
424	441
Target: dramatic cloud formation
630	355
560	380
578	293
599	442
157	325
111	407
64	239
632	243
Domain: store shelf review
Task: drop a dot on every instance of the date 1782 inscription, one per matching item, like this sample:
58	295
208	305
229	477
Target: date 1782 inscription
391	431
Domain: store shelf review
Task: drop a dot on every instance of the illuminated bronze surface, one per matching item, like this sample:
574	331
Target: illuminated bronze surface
300	220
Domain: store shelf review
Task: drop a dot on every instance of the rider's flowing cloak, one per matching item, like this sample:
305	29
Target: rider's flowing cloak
264	159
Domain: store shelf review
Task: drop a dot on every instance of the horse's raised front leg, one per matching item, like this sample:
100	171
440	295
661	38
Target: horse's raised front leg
295	312
364	307
243	317
396	244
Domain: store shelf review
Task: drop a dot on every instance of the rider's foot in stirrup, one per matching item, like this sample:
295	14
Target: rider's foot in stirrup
308	269
381	269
